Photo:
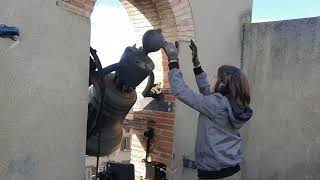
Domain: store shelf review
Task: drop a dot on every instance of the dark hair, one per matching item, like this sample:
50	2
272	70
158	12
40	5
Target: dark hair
235	84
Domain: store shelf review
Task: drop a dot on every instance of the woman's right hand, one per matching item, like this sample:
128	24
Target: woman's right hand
194	49
171	51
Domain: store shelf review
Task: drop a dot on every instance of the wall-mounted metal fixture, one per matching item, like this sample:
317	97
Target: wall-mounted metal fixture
149	134
9	32
245	20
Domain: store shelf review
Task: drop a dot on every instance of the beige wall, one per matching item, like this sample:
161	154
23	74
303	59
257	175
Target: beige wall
282	63
43	92
218	30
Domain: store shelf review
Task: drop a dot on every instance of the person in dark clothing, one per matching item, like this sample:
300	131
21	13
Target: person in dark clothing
223	107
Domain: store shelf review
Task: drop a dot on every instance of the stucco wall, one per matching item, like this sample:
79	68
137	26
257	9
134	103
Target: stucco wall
218	31
282	60
43	92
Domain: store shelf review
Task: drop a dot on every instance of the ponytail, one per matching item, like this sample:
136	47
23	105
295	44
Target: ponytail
234	83
239	89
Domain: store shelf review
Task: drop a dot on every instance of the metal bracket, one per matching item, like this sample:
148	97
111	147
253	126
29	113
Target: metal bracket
159	105
187	163
9	32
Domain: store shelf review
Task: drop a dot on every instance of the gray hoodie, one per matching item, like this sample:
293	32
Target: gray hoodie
218	139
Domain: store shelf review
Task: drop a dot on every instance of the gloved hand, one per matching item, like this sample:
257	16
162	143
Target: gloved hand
194	49
172	51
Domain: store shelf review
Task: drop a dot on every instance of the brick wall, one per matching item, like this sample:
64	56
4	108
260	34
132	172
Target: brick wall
184	20
145	15
162	143
80	7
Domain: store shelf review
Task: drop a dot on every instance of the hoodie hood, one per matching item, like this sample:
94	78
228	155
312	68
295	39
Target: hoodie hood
238	115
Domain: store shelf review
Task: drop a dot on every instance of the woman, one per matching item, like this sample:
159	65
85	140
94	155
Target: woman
224	108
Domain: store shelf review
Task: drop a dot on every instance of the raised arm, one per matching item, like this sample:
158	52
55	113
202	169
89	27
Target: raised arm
204	104
185	94
201	77
202	81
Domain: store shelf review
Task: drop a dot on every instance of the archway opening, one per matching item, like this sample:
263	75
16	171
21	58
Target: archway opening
118	24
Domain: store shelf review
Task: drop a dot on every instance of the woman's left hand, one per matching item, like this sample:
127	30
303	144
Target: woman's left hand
194	49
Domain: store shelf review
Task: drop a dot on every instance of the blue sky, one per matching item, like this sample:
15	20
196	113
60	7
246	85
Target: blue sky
272	10
109	19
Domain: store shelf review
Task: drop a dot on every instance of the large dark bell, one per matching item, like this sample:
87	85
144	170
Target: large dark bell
152	41
135	67
116	107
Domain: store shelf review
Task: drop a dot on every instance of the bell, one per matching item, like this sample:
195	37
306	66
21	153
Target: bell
104	123
117	105
152	41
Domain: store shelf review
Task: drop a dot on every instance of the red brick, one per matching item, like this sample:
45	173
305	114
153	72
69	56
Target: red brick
154	153
185	28
161	143
155	158
167	11
164	126
186	22
186	33
157	113
185	37
164	8
179	4
165	68
137	3
90	2
156	119
170	35
181	9
165	81
148	11
72	8
165	155
165	60
164	160
166	133
162	3
141	2
168	30
81	5
170	98
164	149
165	138
183	17
166	91
166	85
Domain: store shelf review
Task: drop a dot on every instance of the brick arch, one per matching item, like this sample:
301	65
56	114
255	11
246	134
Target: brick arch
173	15
174	18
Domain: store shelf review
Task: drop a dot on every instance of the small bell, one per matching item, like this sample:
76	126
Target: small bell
152	41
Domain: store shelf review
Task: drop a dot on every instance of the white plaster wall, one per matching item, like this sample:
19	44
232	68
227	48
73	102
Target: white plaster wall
43	92
218	31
